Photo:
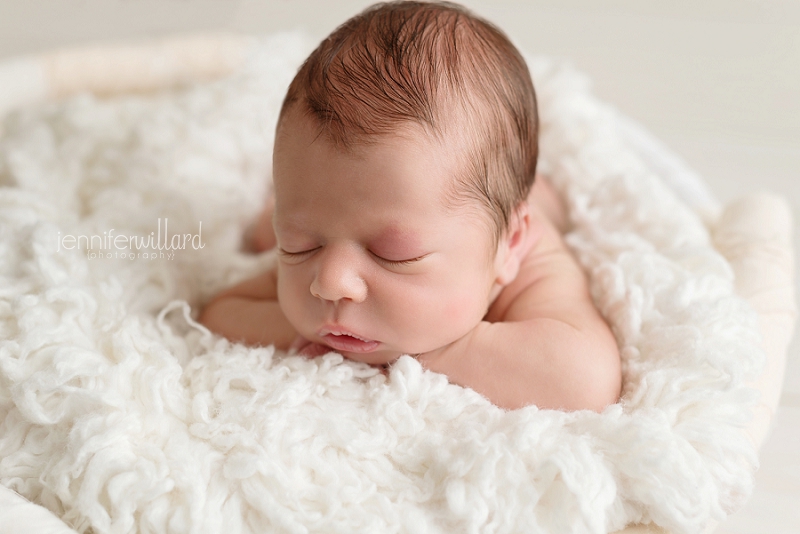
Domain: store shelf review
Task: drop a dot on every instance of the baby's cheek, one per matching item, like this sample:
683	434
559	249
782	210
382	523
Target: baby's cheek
463	310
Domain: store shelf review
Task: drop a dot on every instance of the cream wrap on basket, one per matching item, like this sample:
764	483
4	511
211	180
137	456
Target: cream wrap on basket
121	414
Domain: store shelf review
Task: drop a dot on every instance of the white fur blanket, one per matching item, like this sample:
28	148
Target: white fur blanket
121	414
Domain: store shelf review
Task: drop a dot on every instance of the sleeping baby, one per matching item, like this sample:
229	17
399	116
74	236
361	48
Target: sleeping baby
407	221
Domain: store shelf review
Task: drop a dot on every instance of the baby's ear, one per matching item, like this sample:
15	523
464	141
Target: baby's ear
513	245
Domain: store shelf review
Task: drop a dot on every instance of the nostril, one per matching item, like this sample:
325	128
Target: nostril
352	288
338	277
316	289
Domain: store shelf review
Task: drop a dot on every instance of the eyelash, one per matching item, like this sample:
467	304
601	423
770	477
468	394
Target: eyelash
398	262
384	260
295	254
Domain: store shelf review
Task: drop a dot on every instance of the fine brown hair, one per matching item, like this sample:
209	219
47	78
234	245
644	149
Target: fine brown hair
437	65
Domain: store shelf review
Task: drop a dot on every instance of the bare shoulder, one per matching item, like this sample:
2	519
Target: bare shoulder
552	286
550	282
551	297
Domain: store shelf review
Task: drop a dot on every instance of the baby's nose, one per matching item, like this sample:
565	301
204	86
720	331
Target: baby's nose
338	276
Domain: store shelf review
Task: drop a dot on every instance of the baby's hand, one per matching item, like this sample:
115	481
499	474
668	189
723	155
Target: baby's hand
303	347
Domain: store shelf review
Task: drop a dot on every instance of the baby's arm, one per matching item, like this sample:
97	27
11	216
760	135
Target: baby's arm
543	341
545	361
249	313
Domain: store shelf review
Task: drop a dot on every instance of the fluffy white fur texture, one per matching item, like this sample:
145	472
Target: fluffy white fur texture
121	414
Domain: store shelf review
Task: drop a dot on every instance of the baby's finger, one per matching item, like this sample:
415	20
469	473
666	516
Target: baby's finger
298	344
312	350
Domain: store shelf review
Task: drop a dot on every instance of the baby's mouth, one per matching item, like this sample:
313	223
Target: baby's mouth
348	342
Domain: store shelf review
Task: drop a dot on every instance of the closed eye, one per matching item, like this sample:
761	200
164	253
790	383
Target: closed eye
295	255
398	262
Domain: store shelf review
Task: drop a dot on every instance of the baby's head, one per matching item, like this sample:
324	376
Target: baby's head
410	131
437	66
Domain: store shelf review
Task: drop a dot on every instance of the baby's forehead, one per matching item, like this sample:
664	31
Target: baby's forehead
451	146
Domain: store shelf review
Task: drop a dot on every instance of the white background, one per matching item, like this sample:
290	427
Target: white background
717	80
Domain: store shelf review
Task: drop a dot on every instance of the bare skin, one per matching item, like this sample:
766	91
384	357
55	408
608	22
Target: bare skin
548	277
550	296
539	339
